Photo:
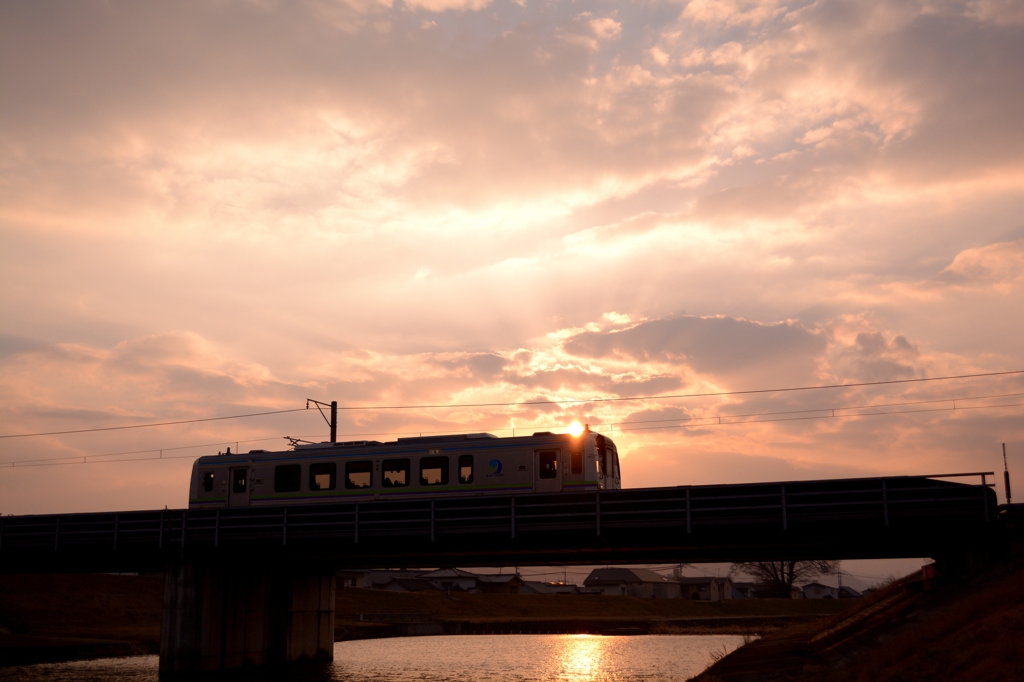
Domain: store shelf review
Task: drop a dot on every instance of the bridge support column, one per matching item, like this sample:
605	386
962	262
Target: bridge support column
224	616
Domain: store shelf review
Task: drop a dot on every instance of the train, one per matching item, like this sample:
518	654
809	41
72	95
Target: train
407	468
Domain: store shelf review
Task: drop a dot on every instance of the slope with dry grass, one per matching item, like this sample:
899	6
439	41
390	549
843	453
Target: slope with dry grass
968	630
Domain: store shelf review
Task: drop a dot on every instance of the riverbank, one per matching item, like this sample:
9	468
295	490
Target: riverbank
970	629
50	618
369	614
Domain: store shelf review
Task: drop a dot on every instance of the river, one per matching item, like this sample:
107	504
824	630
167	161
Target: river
466	658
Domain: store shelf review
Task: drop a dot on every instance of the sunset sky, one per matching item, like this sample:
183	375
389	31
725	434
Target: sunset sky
216	208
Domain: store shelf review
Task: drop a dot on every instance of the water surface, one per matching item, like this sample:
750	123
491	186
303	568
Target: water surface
466	658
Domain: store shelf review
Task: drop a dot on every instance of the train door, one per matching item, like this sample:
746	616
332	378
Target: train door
574	472
238	488
548	477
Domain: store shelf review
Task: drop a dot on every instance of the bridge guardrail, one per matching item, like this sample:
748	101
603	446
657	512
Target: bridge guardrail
867	503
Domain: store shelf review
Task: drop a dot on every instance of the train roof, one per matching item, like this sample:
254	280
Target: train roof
374	447
402	441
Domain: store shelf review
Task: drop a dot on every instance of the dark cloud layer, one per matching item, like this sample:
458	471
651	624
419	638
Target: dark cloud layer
720	346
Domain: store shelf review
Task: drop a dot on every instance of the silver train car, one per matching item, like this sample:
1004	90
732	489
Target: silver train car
409	468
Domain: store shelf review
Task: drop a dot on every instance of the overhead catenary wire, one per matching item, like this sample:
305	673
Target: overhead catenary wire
143	426
714	420
160	450
99	458
570	401
686	395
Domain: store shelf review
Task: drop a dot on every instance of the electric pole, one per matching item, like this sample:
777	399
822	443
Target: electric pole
1006	476
333	421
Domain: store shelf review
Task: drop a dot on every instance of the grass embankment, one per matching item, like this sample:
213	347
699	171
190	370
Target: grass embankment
65	617
969	630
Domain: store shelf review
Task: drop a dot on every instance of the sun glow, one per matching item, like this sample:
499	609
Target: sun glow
580	657
576	429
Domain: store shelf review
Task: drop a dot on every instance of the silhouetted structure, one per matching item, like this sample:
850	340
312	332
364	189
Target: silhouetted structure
256	585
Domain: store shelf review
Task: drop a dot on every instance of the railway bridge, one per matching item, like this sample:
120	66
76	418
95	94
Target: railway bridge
255	586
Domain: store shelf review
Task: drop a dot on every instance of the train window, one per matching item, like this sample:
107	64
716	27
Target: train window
602	455
238	478
548	463
358	474
396	473
287	478
434	471
323	476
465	468
576	461
615	462
208	481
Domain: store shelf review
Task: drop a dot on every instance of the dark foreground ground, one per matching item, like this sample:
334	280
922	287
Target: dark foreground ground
969	630
65	617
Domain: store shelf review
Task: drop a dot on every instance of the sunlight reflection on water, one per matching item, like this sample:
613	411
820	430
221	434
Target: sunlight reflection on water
471	658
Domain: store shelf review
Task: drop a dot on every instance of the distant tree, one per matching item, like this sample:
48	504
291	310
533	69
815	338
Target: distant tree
780	576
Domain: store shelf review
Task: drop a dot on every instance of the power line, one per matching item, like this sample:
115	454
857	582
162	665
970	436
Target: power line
683	395
716	420
845	407
144	426
534	402
96	459
724	416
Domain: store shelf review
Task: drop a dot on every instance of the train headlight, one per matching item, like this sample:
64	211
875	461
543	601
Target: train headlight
576	429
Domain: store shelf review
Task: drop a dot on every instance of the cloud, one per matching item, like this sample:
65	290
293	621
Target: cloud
605	28
447	5
873	358
182	375
242	204
11	344
1000	263
718	345
732	12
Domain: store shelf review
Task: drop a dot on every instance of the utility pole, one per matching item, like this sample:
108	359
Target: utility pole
333	421
1006	476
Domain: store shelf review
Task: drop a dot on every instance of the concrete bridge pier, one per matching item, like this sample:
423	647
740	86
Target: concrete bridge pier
220	616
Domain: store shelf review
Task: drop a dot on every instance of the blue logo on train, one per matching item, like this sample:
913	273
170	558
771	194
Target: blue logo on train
495	466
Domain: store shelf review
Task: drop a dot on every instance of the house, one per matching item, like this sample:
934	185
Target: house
351	579
752	590
453	579
818	591
846	592
503	583
443	579
707	588
538	587
744	590
377	579
410	585
632	582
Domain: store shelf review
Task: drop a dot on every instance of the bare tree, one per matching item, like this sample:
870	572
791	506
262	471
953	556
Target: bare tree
780	576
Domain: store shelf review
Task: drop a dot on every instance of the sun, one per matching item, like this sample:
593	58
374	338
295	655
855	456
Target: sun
576	429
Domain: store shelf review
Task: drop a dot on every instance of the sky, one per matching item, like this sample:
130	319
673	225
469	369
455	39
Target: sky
226	207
